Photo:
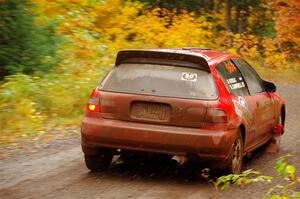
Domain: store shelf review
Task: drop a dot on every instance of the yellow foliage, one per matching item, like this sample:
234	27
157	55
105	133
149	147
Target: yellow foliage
18	109
244	44
273	58
287	27
120	24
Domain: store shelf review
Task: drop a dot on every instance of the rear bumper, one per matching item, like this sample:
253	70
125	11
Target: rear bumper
208	144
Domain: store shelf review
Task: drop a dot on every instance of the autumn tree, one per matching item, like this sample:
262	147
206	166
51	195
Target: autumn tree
197	6
228	15
288	26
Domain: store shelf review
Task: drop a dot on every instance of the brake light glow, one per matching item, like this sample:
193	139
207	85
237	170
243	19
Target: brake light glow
92	107
93	104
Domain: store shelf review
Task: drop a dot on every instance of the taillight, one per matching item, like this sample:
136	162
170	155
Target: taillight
92	107
93	104
216	115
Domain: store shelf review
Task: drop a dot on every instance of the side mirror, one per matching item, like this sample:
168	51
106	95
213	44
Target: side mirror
269	86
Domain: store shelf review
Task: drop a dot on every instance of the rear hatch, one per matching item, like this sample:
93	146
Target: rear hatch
157	94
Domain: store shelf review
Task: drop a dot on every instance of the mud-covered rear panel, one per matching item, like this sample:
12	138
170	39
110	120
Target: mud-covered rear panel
153	109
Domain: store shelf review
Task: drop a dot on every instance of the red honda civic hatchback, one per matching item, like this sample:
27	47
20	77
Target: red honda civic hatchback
190	102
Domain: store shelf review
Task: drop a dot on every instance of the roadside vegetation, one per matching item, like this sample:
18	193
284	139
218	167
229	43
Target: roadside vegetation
286	188
52	54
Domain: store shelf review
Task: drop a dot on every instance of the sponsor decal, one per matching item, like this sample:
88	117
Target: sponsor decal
241	109
242	101
230	67
237	108
192	77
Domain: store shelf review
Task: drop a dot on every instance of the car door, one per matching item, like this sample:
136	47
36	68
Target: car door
243	102
264	111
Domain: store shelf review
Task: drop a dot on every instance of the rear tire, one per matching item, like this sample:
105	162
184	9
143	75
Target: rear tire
99	162
236	155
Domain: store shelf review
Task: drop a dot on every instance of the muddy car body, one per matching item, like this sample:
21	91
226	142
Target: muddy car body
188	101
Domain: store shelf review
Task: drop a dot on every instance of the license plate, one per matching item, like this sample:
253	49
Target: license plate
150	111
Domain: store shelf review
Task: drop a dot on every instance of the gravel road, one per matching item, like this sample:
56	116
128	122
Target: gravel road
58	171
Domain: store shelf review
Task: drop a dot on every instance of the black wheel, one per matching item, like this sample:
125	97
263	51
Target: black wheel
236	155
99	162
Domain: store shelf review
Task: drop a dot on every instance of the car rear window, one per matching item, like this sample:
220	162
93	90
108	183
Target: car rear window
160	80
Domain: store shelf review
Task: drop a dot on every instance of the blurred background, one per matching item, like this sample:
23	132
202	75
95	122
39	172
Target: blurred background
53	53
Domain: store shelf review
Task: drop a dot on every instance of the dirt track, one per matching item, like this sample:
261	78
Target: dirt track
58	171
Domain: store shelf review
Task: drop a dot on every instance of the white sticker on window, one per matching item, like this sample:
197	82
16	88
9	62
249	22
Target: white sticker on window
189	76
237	85
231	80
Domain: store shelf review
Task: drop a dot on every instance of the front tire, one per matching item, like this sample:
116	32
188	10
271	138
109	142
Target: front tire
99	162
236	155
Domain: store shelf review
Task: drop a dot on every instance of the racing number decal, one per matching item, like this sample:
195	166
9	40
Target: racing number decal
185	76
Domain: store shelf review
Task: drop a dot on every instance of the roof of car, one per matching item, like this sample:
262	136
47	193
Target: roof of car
203	57
212	55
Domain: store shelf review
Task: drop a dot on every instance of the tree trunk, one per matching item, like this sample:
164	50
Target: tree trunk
216	6
241	17
228	15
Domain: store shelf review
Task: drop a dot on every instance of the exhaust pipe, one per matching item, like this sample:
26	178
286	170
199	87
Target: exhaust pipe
180	159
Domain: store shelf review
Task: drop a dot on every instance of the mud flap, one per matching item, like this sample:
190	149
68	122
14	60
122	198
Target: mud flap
279	129
274	145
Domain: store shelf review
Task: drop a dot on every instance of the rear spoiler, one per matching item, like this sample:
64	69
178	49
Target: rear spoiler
167	57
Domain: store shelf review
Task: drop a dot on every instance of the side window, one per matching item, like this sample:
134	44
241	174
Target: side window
252	79
232	78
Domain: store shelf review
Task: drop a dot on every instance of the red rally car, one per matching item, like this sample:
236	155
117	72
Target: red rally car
185	102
